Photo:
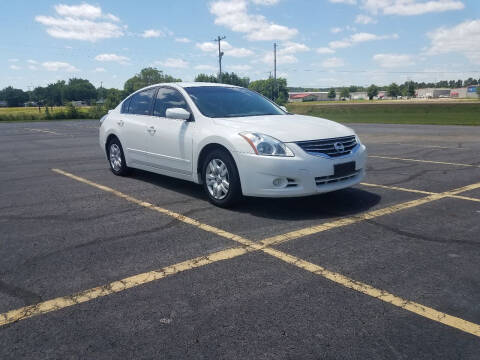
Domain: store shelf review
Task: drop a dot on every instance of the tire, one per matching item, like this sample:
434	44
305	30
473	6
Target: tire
116	158
215	179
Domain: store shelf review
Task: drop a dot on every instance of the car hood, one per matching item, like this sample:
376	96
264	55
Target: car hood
287	128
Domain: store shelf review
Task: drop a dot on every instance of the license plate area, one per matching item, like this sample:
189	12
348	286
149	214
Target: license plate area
344	169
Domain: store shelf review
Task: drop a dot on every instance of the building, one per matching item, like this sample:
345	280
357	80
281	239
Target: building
472	91
79	103
432	93
3	103
308	96
359	95
465	93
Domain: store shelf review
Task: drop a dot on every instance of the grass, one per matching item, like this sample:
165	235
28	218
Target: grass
54	113
455	113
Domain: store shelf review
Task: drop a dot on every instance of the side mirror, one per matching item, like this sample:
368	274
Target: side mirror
177	113
283	108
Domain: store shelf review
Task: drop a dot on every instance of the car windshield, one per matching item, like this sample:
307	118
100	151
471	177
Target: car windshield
222	101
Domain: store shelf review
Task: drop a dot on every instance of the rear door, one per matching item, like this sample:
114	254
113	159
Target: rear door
137	129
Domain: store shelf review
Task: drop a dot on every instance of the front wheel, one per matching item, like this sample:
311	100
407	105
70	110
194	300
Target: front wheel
221	181
116	158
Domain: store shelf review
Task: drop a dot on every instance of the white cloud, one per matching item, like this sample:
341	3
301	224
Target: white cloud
351	2
32	67
411	7
405	7
234	15
461	39
228	49
285	53
239	67
30	61
325	50
99	69
152	33
15	67
81	22
333	62
359	38
336	30
173	63
182	40
265	2
13	60
112	58
59	66
393	60
205	67
365	19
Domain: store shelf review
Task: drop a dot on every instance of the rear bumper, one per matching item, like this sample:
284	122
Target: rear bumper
301	175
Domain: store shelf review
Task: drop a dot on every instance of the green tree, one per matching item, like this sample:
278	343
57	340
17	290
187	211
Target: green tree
13	97
345	93
234	79
267	88
411	89
206	78
393	90
113	98
372	91
147	76
79	90
332	94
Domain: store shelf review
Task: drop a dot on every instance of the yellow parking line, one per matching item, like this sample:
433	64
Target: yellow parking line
398	188
418	191
43	131
116	286
423	161
382	295
248	246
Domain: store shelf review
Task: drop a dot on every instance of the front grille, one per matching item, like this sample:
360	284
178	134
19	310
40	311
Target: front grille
324	180
330	147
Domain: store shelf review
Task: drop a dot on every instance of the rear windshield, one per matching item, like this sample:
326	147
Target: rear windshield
222	102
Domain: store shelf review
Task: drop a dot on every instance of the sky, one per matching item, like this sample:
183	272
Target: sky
321	43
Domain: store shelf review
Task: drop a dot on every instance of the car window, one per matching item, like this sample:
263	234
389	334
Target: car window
141	102
125	106
168	98
222	102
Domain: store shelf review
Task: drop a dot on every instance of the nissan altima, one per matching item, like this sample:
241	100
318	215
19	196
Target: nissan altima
232	140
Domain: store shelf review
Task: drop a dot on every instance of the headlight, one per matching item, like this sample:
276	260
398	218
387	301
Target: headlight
266	145
357	139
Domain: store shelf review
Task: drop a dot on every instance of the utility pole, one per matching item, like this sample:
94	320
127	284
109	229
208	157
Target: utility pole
274	71
220	55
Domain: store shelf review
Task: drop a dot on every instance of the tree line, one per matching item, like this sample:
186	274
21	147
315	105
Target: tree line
63	92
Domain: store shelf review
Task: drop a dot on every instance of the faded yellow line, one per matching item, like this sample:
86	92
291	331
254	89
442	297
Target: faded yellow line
398	188
424	161
418	191
278	239
117	286
179	217
43	131
248	246
382	295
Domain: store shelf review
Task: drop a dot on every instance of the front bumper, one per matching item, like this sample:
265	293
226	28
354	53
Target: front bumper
301	175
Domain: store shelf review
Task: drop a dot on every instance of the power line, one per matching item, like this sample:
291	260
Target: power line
274	71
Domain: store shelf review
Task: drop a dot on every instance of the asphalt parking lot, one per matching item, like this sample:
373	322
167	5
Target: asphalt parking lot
98	266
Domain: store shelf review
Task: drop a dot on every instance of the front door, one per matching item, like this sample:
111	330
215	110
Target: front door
170	144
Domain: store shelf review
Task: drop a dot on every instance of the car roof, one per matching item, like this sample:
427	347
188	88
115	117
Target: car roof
190	84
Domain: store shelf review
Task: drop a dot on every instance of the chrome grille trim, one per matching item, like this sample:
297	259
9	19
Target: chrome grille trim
324	180
327	147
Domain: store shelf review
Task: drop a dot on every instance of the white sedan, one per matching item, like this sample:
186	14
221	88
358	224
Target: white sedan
232	140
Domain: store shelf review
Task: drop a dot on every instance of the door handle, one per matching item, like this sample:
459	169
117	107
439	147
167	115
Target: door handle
151	130
120	123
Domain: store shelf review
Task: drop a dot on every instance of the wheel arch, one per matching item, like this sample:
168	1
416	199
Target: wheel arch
207	148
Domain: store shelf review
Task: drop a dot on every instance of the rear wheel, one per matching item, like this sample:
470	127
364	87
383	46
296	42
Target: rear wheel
221	181
116	158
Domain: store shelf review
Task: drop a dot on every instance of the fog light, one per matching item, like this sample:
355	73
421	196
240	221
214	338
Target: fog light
279	182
